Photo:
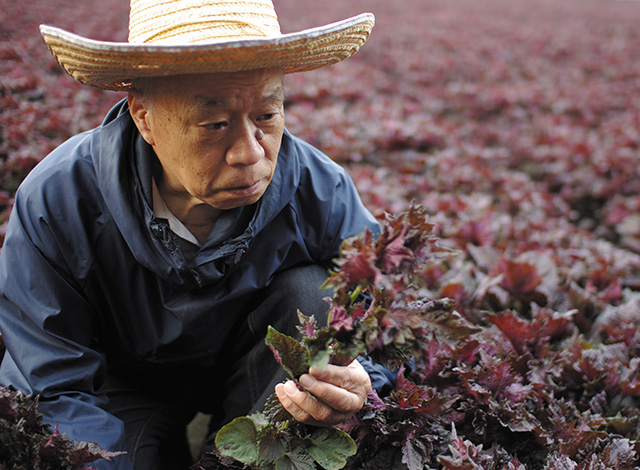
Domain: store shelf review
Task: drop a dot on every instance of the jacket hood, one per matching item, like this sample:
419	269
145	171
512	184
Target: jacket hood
124	165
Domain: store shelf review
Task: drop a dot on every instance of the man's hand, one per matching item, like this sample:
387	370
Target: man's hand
337	393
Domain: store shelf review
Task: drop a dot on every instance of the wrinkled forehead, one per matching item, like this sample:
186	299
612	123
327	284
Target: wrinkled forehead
215	88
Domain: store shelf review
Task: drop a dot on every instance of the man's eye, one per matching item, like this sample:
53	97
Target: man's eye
267	117
217	125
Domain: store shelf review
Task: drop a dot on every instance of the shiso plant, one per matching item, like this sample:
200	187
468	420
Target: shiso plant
517	381
378	309
27	443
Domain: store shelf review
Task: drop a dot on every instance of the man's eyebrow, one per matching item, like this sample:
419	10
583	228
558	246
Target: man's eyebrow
207	102
277	95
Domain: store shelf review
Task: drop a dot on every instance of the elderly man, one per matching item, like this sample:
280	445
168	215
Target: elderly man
145	259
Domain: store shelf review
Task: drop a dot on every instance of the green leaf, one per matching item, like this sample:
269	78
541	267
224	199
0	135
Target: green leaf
321	359
238	440
331	448
298	459
289	352
260	420
271	446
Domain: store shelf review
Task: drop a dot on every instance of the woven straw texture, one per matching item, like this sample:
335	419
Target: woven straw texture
194	21
175	37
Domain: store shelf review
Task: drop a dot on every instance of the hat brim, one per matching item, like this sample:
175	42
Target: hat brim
114	65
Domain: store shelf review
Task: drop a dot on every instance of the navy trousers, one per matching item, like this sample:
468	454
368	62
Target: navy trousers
156	411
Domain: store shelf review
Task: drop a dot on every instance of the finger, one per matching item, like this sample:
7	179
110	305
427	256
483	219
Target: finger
349	376
333	396
306	408
352	378
287	401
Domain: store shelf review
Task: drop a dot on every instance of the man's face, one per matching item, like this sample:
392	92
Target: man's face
217	136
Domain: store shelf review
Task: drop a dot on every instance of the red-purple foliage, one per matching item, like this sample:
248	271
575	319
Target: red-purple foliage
517	126
27	442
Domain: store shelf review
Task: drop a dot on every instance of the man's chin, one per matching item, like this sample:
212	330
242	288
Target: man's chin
234	203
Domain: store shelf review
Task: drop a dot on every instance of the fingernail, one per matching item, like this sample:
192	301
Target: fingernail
307	381
290	387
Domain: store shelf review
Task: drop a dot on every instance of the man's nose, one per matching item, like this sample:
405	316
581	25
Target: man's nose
245	148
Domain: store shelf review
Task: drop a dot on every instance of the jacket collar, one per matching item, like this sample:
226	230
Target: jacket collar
124	165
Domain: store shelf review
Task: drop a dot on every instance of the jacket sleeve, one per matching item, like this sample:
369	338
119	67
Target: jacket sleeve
47	327
348	216
331	206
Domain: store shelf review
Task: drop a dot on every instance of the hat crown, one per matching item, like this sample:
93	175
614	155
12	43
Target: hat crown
200	21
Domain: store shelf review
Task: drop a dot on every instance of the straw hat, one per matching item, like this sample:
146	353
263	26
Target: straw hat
173	37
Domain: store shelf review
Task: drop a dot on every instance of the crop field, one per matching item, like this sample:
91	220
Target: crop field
516	125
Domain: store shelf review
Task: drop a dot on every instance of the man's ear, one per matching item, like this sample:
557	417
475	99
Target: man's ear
139	111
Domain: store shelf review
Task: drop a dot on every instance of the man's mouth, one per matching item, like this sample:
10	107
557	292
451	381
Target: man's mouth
246	190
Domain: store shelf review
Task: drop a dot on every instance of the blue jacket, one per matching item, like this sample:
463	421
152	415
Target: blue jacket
91	281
